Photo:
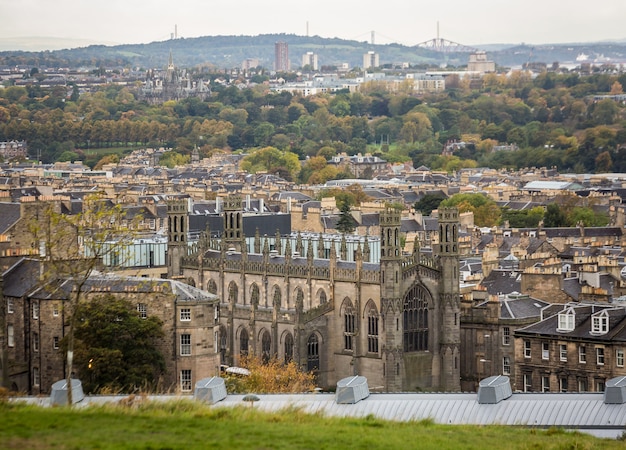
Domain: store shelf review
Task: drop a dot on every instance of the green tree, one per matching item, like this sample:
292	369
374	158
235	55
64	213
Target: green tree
115	349
554	216
172	159
486	211
587	216
346	223
522	218
428	202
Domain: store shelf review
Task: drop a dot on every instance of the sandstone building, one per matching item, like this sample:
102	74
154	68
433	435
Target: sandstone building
395	321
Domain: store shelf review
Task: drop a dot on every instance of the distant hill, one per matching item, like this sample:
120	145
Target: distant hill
230	51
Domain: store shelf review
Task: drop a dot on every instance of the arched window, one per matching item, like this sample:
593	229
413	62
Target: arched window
372	329
243	342
233	292
211	287
288	348
312	353
416	319
322	297
348	324
266	347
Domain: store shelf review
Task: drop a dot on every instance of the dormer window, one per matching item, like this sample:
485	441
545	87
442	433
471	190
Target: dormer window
566	320
600	323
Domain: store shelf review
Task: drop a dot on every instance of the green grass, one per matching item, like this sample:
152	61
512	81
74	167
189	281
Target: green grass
188	424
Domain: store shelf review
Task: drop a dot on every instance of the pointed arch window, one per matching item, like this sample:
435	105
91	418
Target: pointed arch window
312	353
266	347
348	325
243	342
288	348
372	330
415	320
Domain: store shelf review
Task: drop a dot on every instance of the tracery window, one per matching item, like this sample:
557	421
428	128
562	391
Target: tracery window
243	342
372	330
415	319
288	348
312	354
266	347
348	325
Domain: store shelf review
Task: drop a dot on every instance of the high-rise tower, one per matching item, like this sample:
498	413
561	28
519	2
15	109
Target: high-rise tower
281	57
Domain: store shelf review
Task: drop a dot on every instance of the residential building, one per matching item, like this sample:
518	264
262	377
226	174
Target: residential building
576	347
310	59
36	322
281	57
478	62
371	60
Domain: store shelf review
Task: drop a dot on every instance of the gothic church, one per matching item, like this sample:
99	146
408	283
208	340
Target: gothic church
395	321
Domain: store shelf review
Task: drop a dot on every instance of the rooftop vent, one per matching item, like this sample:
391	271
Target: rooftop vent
58	394
351	390
494	389
210	390
615	391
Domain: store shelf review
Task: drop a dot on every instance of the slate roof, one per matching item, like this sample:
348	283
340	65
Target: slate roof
409	225
502	282
521	307
21	278
583	318
9	214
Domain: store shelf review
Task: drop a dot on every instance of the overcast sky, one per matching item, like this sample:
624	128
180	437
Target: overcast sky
402	21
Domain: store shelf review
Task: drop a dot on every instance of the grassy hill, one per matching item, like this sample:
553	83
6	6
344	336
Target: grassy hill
188	424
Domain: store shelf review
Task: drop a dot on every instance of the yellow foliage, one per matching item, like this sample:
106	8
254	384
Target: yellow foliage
270	377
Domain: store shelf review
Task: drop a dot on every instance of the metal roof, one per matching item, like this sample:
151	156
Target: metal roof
572	410
582	411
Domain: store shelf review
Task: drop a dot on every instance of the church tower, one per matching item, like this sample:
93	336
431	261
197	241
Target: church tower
390	297
449	302
177	228
233	223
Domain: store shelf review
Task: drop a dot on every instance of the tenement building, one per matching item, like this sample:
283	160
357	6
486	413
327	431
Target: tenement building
393	318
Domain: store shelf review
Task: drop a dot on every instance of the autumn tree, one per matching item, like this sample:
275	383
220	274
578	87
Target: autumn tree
269	159
486	211
270	377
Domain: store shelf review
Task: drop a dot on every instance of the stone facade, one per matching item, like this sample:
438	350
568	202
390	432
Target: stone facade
396	321
36	323
575	348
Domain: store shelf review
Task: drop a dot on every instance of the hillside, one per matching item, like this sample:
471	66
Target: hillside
230	51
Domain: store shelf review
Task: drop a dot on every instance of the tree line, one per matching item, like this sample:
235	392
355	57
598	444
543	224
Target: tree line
551	120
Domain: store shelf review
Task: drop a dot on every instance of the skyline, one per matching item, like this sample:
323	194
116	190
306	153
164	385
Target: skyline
470	23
